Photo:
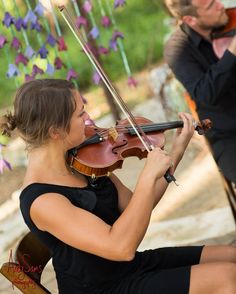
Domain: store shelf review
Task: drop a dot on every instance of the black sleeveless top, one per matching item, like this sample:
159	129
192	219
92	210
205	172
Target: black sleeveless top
78	271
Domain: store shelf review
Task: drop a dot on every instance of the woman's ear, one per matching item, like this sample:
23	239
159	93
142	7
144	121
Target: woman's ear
54	133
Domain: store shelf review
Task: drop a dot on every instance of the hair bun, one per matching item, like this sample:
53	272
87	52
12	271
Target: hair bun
8	124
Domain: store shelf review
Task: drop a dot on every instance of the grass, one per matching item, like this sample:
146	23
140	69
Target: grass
140	21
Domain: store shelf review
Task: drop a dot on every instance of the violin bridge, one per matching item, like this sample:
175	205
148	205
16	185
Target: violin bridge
113	134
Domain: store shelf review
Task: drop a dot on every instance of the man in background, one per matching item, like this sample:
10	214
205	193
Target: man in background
210	81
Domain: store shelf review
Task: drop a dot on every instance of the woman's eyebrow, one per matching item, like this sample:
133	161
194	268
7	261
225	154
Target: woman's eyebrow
81	110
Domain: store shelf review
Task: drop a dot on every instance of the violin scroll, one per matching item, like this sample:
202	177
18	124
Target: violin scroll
203	126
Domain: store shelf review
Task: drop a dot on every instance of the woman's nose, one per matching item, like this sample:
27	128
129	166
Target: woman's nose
86	116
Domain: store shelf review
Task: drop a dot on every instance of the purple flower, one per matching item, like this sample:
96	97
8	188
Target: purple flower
113	41
117	35
132	82
58	63
96	78
87	6
61	44
106	21
103	50
36	70
91	48
36	26
94	33
118	3
21	58
81	21
19	23
8	19
29	78
29	52
3	41
113	45
25	24
12	71
43	52
30	17
71	74
51	40
39	9
50	69
4	164
15	43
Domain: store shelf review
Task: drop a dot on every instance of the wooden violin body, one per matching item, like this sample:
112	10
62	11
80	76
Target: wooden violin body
104	150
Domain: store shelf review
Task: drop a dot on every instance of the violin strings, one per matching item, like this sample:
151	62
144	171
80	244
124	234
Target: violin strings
150	127
124	129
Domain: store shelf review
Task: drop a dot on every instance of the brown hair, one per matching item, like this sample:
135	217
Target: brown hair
180	8
39	105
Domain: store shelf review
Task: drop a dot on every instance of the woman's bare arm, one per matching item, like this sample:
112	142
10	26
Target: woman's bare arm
83	230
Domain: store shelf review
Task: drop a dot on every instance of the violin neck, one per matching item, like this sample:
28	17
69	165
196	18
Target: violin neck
158	127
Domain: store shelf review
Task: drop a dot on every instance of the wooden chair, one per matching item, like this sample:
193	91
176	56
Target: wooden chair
25	268
228	185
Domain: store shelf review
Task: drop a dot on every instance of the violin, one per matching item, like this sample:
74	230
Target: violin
104	150
223	37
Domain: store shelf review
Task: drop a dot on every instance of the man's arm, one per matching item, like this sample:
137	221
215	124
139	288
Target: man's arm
204	83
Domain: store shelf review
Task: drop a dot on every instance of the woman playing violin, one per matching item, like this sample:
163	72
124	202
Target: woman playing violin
93	229
210	81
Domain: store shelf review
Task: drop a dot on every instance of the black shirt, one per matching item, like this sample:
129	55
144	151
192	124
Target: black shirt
78	271
163	270
210	82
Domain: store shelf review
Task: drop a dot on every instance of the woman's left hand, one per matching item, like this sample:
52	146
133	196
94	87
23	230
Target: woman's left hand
183	135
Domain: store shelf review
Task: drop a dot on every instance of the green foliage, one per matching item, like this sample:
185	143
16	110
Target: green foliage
141	22
3	139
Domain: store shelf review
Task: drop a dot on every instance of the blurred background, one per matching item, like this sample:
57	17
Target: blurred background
24	24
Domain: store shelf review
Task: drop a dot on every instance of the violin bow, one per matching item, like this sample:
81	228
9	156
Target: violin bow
124	108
